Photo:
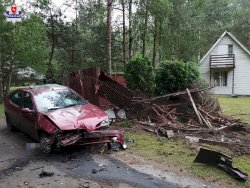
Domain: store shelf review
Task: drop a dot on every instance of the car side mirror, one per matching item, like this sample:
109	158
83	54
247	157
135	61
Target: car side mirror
27	110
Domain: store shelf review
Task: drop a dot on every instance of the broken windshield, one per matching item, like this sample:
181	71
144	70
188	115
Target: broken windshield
52	100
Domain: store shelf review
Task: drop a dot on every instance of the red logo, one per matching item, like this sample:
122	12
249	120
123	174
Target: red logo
13	9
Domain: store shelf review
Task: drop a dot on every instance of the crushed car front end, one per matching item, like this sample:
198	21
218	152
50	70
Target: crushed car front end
81	137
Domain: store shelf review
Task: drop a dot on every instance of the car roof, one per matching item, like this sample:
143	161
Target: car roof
35	89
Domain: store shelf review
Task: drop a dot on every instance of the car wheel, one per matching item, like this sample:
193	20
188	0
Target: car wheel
10	124
44	146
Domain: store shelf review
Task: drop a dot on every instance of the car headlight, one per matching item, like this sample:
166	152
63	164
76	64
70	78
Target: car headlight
105	123
114	139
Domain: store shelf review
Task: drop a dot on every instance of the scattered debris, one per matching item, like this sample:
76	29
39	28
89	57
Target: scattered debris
103	169
192	112
86	185
130	140
25	183
220	160
94	171
213	142
192	139
46	174
121	113
164	132
111	114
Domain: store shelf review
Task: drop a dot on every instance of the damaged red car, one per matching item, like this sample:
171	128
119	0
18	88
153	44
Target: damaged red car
56	116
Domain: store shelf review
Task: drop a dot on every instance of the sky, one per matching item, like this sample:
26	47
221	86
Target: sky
70	13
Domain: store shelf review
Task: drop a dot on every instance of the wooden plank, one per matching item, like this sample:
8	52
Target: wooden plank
205	121
194	106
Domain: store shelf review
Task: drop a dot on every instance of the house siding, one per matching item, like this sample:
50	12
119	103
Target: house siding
241	71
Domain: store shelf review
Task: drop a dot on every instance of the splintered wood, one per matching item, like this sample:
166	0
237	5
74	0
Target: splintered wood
189	110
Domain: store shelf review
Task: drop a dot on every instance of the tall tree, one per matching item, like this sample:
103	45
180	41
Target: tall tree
109	34
130	39
144	32
124	33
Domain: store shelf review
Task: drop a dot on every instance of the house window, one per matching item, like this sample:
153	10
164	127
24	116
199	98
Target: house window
230	50
220	78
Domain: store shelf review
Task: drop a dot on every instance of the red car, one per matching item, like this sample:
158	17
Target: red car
57	116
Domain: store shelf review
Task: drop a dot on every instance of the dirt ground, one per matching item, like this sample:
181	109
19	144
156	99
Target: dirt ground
82	167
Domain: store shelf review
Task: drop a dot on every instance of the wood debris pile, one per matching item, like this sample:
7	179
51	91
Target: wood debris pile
189	110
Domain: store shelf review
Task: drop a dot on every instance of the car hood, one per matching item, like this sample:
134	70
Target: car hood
85	116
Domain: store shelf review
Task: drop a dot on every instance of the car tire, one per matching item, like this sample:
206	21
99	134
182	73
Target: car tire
9	123
44	146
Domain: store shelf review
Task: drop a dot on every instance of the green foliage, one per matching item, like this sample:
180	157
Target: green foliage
175	76
139	75
31	47
127	123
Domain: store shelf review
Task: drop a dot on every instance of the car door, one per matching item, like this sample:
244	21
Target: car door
14	108
28	118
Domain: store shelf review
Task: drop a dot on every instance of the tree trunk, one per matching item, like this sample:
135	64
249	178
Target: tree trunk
109	30
74	34
160	43
130	29
145	29
1	75
155	42
52	46
6	79
123	34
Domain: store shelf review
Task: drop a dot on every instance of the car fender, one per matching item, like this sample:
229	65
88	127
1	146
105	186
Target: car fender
46	125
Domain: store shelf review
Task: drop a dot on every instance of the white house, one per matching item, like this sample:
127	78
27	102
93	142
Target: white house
227	66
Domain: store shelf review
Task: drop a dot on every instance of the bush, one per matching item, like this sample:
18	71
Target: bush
175	76
139	75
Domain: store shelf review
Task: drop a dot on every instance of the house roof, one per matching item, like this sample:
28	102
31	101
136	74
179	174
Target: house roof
221	37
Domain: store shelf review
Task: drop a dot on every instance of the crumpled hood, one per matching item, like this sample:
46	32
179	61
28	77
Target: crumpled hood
85	116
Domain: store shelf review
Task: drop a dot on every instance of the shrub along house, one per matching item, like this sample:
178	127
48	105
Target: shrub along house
227	66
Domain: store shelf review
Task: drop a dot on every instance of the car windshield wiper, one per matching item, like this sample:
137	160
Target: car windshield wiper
55	108
71	105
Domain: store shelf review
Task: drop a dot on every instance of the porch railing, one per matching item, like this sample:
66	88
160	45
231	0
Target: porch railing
222	61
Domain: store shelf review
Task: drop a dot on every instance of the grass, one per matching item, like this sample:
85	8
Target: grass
1	111
178	153
237	107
